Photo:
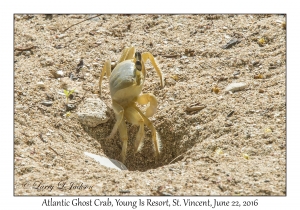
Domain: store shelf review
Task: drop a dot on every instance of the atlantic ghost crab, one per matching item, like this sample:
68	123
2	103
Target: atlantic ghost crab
126	82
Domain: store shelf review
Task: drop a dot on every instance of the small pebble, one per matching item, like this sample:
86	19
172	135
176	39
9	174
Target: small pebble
60	73
49	61
40	84
47	103
92	112
228	124
231	43
61	36
57	74
17	17
254	63
236	73
170	81
25	109
19	107
257	174
233	87
27	53
70	107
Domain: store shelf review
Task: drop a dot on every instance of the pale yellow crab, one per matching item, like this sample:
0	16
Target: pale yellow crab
126	83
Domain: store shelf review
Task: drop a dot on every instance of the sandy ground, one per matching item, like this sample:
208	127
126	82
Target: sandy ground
234	145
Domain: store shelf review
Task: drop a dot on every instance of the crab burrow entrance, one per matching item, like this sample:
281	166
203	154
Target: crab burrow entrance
176	136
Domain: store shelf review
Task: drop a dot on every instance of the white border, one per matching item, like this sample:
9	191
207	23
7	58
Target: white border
8	8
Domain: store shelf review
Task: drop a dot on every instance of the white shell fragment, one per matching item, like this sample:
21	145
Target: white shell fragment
61	36
233	87
57	74
60	73
107	162
40	84
92	112
47	103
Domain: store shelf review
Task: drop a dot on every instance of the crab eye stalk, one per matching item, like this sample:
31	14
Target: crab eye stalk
138	56
138	65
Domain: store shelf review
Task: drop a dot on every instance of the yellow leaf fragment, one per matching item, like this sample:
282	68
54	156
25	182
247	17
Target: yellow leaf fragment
68	114
216	90
219	151
261	41
259	76
175	77
267	130
246	156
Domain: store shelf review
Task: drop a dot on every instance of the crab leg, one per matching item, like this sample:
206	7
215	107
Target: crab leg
127	53
155	136
119	112
148	56
145	99
124	138
134	117
106	69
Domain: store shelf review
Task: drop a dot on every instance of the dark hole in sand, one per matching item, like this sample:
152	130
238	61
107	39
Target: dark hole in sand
174	142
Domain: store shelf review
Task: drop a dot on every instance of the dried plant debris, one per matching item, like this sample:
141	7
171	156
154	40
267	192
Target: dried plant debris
79	65
195	107
18	48
232	42
189	52
230	113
